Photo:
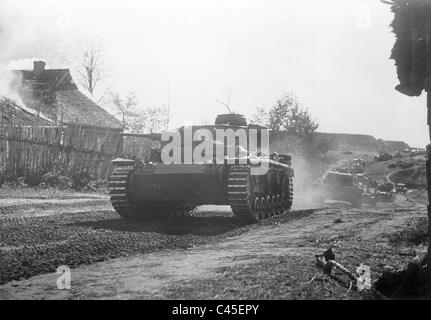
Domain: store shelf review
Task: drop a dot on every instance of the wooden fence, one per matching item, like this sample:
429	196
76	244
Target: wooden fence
27	150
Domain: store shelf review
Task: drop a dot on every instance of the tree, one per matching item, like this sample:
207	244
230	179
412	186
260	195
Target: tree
149	120
410	48
293	125
287	116
261	117
412	55
126	108
90	71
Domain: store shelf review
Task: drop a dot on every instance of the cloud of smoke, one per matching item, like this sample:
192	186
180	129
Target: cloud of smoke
20	43
36	29
10	31
9	83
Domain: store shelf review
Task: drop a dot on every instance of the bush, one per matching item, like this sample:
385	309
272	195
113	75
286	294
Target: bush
52	179
32	179
98	185
81	180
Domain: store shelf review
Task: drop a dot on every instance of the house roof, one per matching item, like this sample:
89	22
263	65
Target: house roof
76	107
71	105
13	114
59	79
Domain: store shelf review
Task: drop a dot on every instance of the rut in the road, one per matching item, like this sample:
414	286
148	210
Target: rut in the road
29	246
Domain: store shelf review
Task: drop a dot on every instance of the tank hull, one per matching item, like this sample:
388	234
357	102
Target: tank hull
160	190
197	184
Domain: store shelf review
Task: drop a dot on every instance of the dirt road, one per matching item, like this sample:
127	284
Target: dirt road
208	256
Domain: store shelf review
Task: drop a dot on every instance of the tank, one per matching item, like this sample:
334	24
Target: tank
338	186
154	188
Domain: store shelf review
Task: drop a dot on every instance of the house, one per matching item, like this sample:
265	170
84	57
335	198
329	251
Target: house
52	94
50	98
48	125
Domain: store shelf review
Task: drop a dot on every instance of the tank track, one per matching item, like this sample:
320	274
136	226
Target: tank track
118	191
251	200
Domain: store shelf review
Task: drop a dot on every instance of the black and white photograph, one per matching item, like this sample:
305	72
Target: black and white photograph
215	155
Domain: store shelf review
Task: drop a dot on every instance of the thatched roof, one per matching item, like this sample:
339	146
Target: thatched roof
12	114
59	79
53	94
75	107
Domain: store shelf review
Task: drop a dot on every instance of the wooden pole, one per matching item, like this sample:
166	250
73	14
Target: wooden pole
428	162
428	173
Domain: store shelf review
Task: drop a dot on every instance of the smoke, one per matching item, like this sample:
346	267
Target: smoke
9	84
11	35
23	36
34	29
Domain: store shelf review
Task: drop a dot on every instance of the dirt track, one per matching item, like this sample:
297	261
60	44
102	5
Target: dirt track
209	256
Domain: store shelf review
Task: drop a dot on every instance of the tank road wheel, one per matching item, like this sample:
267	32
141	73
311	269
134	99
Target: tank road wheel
279	205
274	205
240	193
269	206
257	206
263	206
118	189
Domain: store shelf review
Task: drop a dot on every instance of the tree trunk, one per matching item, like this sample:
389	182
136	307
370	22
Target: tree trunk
428	173
428	162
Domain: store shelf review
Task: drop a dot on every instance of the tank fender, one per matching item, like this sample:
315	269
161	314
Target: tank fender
290	172
122	162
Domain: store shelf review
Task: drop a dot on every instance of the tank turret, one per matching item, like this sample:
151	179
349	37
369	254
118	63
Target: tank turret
231	119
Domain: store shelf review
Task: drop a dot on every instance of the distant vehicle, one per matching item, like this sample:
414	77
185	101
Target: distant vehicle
401	188
342	169
383	156
359	161
363	181
417	152
384	192
357	166
338	186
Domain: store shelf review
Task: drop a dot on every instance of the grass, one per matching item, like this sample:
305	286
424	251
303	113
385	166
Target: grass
272	277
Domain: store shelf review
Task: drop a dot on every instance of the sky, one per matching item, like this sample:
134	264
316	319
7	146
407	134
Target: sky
333	55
